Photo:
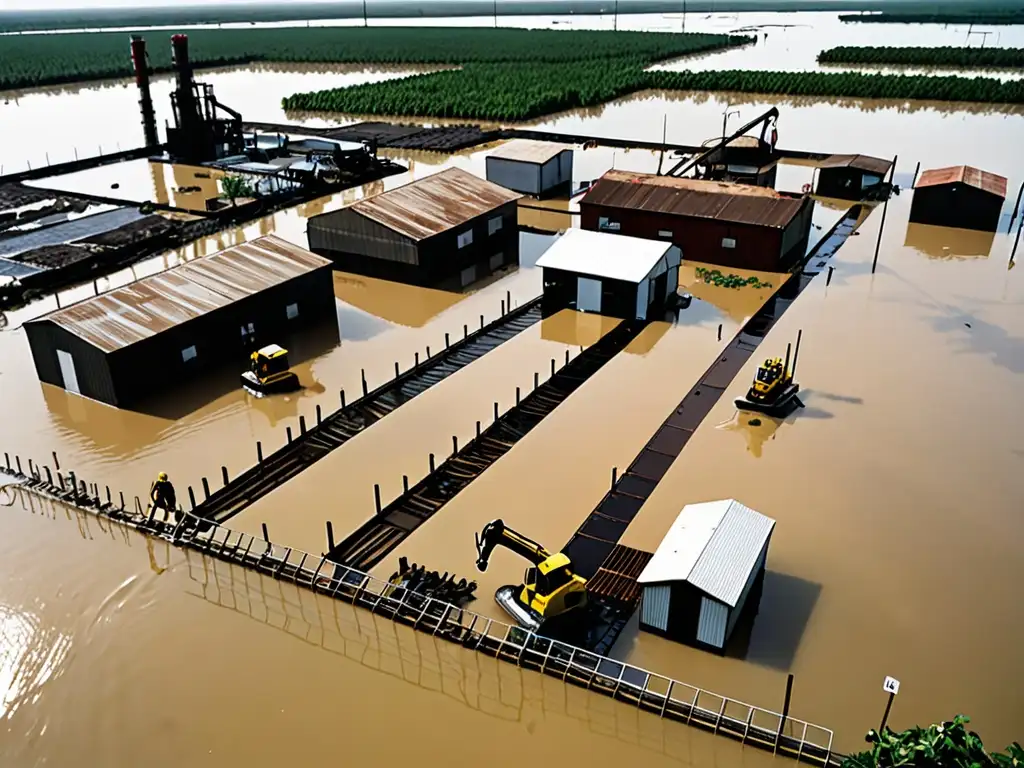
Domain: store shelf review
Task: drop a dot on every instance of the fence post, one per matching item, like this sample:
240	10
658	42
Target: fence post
405	483
362	374
330	537
7	460
396	369
73	482
259	452
266	535
319	415
517	395
481	322
121	494
192	497
615	476
416	357
478	430
431	462
536	379
502	307
342	394
495	410
288	432
206	488
376	496
446	341
224	474
508	300
17	460
455	444
428	354
56	464
567	357
465	331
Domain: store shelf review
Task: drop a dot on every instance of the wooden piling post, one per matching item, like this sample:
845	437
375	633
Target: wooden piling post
508	300
785	712
109	500
455	444
7	461
74	486
330	536
60	479
31	471
720	331
302	424
567	357
56	464
536	379
446	342
416	358
517	395
405	483
502	307
376	497
191	497
428	354
397	374
431	462
266	534
615	477
342	395
206	488
224	474
121	494
319	415
552	366
17	460
465	331
259	452
495	410
362	374
478	430
49	477
288	432
481	322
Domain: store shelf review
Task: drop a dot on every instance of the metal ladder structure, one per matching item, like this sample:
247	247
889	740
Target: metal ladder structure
329	433
378	537
596	539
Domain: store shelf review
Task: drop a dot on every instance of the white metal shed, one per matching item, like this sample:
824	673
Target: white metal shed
697	584
532	167
613	275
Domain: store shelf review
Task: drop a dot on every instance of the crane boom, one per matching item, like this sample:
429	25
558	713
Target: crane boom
495	533
687	163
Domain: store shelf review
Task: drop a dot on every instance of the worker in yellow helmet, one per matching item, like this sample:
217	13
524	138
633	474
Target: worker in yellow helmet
161	496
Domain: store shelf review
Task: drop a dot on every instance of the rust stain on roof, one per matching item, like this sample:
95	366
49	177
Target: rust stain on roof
437	203
124	316
965	174
860	162
528	151
739	203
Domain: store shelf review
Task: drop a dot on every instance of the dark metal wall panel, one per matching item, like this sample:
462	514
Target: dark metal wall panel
699	239
441	258
346	231
91	365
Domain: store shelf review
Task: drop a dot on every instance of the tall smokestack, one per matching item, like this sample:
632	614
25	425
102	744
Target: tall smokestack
141	65
179	55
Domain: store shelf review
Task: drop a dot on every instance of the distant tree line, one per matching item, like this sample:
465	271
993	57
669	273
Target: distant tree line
996	16
945	56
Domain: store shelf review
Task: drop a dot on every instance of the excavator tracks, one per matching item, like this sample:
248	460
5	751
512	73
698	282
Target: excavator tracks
341	426
378	537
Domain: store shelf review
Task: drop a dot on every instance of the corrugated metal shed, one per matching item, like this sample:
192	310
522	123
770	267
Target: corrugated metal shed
432	205
600	254
527	151
124	316
737	203
714	546
860	162
965	174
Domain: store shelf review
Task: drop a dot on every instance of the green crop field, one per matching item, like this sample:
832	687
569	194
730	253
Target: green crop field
32	60
946	56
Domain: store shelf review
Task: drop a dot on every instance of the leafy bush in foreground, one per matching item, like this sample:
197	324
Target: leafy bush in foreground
945	56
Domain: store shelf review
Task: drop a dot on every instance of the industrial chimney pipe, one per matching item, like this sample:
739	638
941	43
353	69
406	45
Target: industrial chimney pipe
141	64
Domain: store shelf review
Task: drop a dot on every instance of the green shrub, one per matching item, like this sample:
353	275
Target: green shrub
947	745
945	56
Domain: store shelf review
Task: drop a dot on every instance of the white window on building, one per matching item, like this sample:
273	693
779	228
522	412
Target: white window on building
728	242
292	311
607	225
666	233
494	225
248	330
188	353
496	261
466	238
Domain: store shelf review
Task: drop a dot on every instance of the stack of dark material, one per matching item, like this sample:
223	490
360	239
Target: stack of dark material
418	580
441	139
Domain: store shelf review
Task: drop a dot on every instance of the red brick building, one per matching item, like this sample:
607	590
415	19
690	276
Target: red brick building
732	225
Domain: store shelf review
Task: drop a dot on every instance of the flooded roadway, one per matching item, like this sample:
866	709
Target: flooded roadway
141	654
894	493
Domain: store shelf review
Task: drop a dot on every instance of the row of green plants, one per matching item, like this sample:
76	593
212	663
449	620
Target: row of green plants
32	60
944	56
716	277
522	91
994	16
944	745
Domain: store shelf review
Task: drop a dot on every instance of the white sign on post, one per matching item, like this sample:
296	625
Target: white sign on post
891	685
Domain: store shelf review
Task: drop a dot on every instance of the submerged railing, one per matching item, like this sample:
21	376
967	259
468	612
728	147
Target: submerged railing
651	692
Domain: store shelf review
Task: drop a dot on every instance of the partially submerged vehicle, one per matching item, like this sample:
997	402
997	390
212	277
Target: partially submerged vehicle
269	373
774	391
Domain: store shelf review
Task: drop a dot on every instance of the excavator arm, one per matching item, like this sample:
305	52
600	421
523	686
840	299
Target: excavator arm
496	533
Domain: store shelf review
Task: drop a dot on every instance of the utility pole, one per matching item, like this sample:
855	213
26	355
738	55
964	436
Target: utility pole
364	14
616	22
495	14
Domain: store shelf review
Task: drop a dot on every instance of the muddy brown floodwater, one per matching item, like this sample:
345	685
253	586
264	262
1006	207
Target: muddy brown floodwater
896	490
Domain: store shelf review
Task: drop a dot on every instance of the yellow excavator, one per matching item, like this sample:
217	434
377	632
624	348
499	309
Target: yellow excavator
269	373
774	392
550	588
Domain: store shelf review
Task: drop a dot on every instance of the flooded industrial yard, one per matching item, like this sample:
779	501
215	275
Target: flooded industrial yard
895	489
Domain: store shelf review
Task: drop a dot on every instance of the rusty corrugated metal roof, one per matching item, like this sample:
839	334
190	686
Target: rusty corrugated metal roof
432	205
965	174
527	151
739	203
860	162
124	316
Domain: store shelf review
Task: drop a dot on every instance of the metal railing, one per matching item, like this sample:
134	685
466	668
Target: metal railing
646	690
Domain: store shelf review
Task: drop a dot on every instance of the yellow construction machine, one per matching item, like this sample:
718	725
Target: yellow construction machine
268	372
774	392
550	588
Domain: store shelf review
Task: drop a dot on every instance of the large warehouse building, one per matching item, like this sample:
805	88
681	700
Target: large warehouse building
732	225
119	347
698	582
448	229
611	275
960	196
532	167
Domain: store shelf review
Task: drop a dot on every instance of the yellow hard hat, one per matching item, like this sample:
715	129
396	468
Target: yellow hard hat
162	476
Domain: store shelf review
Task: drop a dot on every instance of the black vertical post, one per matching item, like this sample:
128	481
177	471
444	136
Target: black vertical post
56	464
916	171
206	488
17	461
536	379
330	537
342	396
376	497
465	330
1016	208
288	431
828	279
431	462
74	485
495	411
224	474
121	494
719	331
552	366
7	460
397	374
785	710
446	341
266	534
1016	240
615	476
319	415
109	500
508	300
481	321
416	357
885	716
49	477
517	395
478	429
302	424
405	483
567	357
503	307
885	209
455	444
259	452
192	497
428	354
362	374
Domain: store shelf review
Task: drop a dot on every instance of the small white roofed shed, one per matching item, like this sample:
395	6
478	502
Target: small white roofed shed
613	275
531	167
703	572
